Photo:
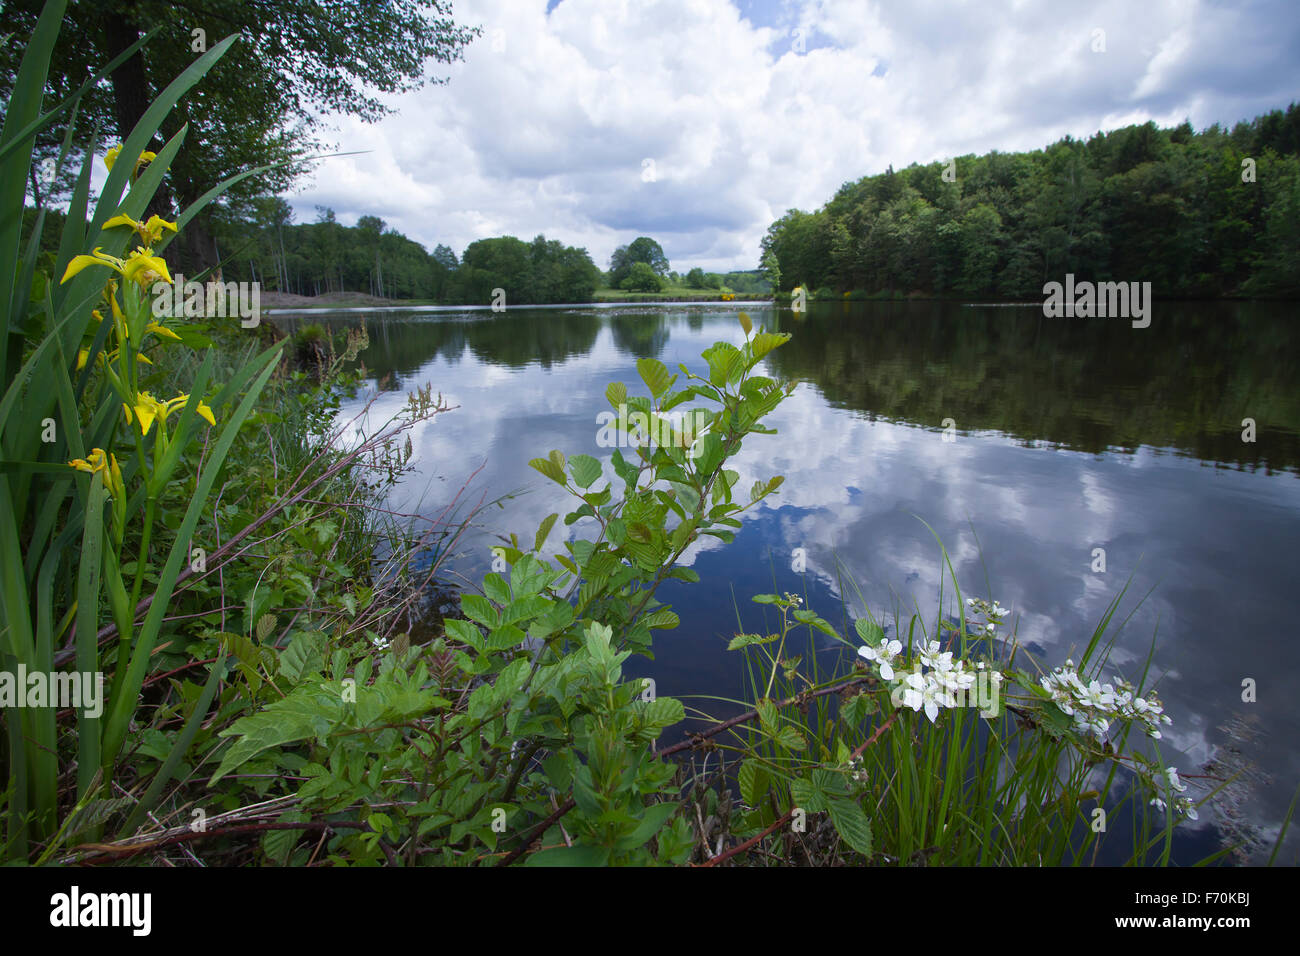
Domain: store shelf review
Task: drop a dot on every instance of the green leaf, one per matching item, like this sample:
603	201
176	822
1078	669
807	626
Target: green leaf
570	856
754	781
724	363
790	738
654	819
1054	720
477	608
656	375
664	712
764	342
496	589
806	796
585	470
309	711
662	619
687	496
869	631
852	824
543	530
463	631
745	640
549	468
305	655
745	324
616	392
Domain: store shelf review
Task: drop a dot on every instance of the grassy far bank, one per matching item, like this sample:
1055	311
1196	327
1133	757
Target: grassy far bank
339	300
677	293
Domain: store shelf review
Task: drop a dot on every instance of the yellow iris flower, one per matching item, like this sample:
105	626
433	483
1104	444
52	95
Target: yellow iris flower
150	232
161	330
99	461
148	409
140	266
111	157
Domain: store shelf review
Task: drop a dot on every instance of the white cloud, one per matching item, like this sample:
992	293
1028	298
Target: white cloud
548	132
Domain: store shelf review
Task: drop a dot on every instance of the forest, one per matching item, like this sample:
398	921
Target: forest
1206	215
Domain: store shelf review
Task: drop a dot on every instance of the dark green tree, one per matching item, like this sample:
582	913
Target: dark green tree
295	62
643	249
641	277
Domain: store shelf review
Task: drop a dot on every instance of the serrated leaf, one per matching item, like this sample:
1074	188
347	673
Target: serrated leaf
1054	720
463	631
661	619
585	470
664	712
477	608
790	738
305	655
265	625
308	711
868	631
543	531
549	469
496	589
687	496
655	375
616	392
745	640
754	782
745	324
806	796
764	342
851	824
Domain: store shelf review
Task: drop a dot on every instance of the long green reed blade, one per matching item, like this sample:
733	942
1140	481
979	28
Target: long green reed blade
88	574
23	107
123	705
70	101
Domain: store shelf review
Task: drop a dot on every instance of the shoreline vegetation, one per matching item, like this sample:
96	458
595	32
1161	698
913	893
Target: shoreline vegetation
185	512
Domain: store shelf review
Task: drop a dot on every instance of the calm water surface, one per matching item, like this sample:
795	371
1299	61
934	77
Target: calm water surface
1066	436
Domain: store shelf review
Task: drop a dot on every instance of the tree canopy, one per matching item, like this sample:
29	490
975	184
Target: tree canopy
641	278
1196	214
263	103
643	249
326	257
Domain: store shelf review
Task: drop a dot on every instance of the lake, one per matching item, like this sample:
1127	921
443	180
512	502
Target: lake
1027	443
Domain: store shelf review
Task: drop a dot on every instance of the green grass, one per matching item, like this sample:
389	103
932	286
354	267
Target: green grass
607	294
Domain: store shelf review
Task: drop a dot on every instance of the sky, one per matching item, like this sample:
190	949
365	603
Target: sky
700	122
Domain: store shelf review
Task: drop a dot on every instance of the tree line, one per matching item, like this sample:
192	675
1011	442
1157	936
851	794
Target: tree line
263	104
326	257
1208	214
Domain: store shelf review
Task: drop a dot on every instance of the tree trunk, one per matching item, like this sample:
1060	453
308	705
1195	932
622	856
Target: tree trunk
131	95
